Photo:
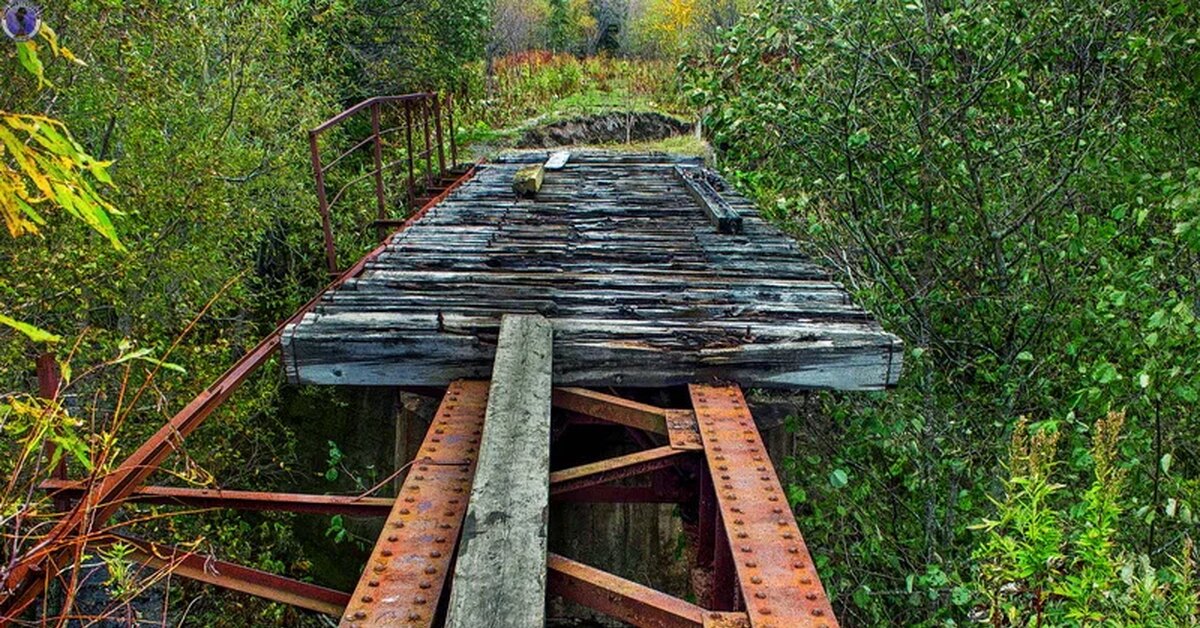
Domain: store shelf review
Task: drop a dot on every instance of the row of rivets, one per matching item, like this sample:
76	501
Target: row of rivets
720	416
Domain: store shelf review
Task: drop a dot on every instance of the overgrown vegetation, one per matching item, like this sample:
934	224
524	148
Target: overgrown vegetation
1012	188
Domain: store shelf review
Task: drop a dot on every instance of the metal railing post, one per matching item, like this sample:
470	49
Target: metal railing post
437	121
408	122
379	193
49	381
453	132
428	144
323	203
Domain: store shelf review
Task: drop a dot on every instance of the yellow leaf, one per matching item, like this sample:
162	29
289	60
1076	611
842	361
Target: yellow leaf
34	333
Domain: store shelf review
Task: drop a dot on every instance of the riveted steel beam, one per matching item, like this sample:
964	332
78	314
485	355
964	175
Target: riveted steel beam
404	578
775	573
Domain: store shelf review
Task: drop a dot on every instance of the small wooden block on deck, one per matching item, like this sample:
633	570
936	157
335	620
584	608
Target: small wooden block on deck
500	578
528	181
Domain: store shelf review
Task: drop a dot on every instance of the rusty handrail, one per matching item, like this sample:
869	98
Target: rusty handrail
418	109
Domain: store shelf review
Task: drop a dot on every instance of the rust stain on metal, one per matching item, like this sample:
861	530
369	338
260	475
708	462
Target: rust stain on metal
613	469
352	505
611	408
210	570
403	580
774	570
714	619
683	430
620	598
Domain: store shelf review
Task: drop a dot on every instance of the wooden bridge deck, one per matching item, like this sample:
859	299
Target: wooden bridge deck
641	290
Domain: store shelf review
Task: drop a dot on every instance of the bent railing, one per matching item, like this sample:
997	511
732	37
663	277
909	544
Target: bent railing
394	120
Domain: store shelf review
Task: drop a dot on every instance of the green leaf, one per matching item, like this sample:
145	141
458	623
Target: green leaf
27	55
838	478
1165	463
34	333
1105	372
144	355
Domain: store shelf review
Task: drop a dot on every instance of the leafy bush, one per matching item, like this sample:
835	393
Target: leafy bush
1011	188
1048	559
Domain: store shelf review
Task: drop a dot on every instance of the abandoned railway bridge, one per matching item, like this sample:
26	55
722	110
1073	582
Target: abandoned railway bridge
620	279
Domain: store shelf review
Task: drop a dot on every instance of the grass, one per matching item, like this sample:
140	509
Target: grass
538	88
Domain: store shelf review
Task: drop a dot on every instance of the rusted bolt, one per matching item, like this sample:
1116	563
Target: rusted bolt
360	615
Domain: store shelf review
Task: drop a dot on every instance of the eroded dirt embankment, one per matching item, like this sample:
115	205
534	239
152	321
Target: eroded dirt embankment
608	128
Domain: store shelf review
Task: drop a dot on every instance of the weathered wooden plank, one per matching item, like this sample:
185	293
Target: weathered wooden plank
558	160
599	353
640	288
723	216
500	576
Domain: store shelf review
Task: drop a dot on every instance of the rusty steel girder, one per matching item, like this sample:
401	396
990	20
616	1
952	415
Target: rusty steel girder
613	469
611	408
56	549
403	580
626	600
227	575
353	505
775	573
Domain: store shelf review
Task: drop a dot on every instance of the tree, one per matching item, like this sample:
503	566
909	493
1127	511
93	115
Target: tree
1009	186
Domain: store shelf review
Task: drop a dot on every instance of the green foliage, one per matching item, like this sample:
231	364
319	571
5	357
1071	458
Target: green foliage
1011	188
1049	560
402	47
541	85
